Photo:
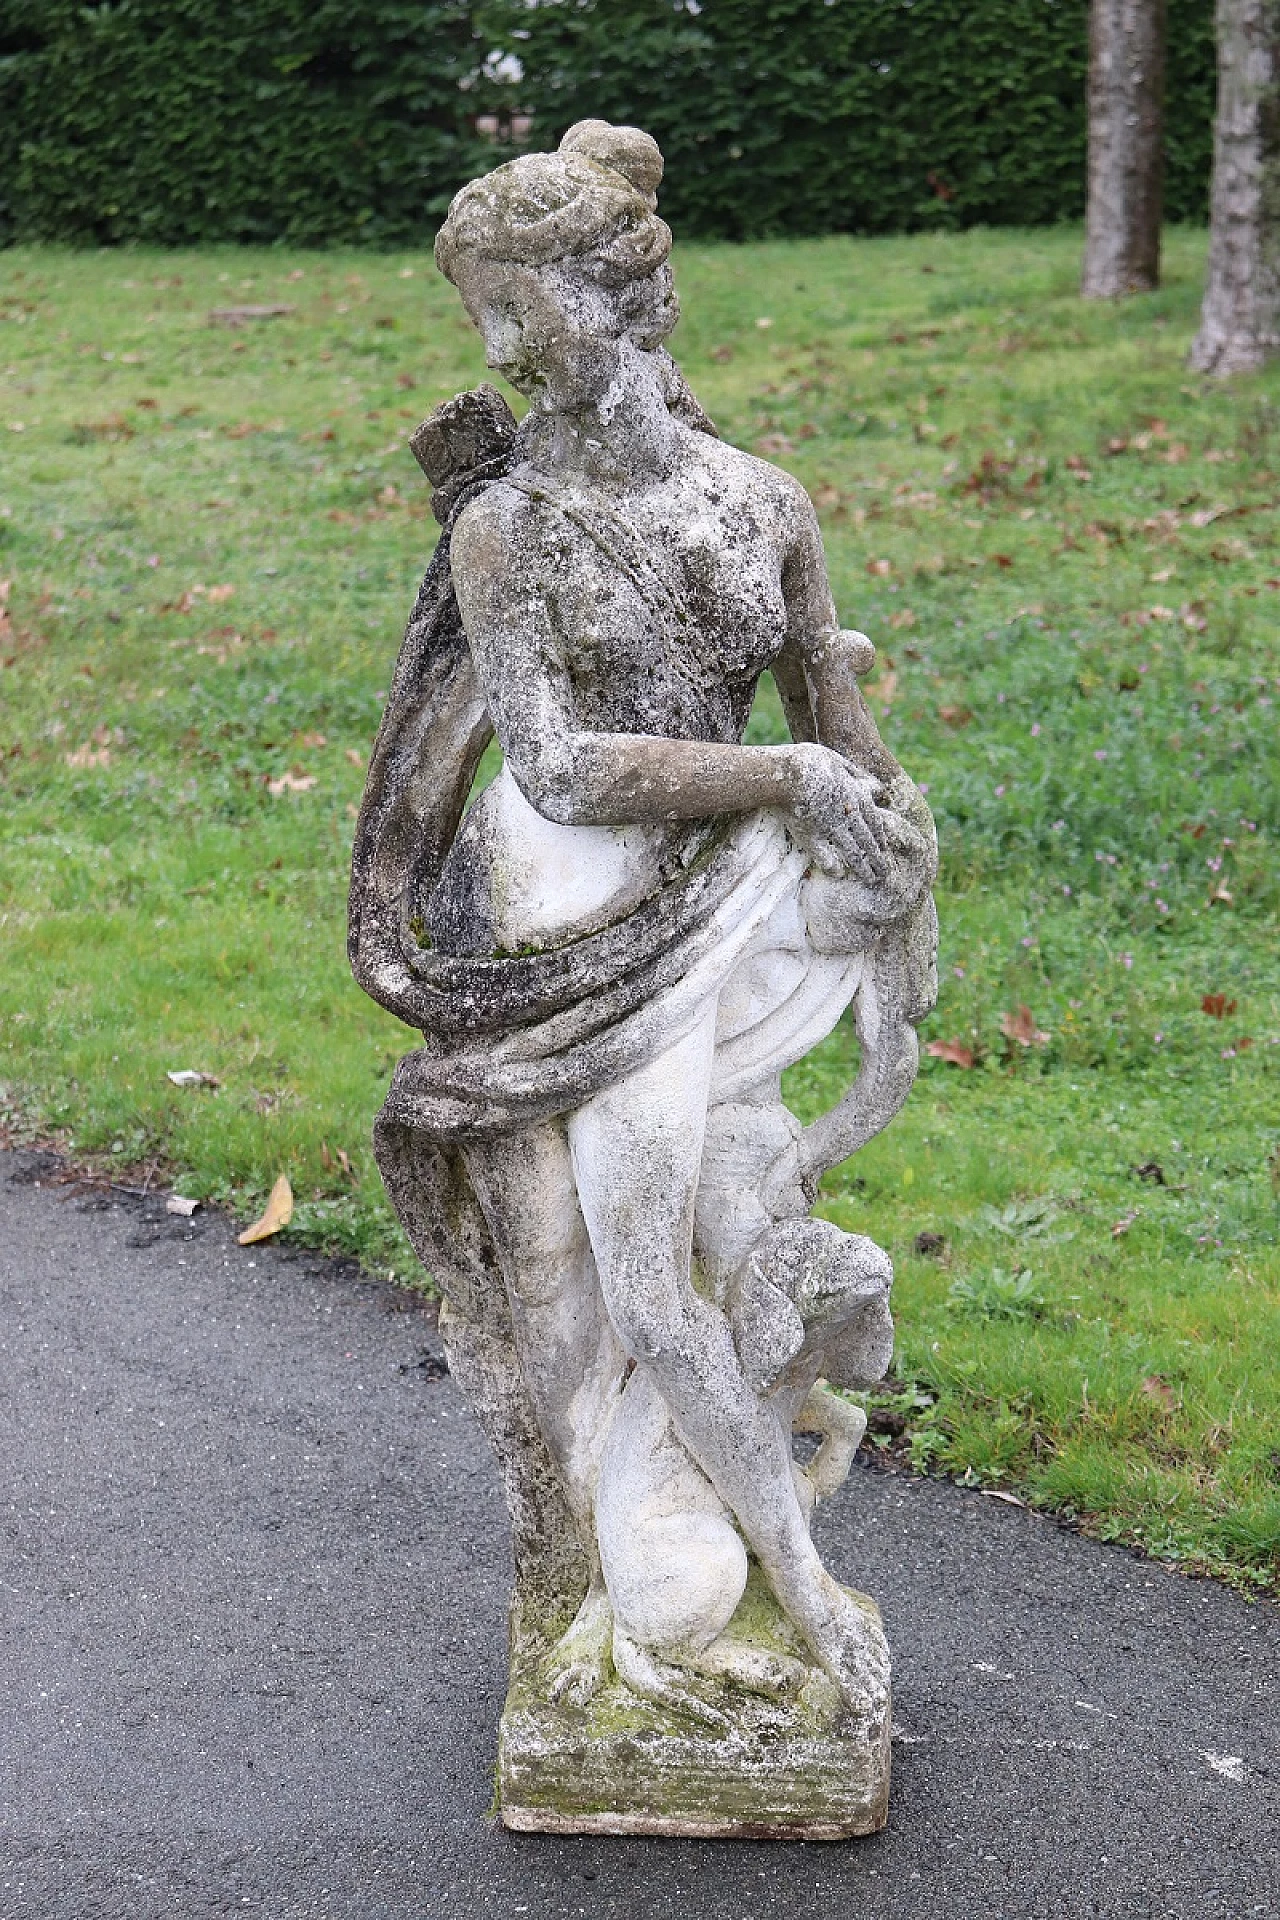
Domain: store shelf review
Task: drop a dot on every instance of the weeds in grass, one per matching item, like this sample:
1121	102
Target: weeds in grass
997	1295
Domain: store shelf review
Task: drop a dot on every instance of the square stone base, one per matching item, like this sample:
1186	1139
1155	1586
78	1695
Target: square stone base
626	1765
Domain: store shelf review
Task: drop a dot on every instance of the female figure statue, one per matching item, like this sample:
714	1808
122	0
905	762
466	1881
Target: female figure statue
615	951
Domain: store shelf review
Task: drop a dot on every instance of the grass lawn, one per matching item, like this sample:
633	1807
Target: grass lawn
1065	547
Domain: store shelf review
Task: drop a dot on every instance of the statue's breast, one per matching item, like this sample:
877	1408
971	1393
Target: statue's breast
675	651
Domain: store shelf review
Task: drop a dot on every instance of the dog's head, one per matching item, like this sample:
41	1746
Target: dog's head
809	1293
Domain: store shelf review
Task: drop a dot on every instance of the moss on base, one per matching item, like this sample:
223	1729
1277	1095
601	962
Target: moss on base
624	1764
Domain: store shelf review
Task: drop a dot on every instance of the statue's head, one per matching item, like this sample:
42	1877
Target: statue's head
560	257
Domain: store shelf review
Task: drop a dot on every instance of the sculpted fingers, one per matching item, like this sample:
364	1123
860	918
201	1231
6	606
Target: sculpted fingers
863	837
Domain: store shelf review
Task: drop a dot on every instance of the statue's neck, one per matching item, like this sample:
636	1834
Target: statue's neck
623	435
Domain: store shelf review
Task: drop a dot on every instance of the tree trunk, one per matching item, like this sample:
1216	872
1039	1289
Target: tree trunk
1126	147
1240	318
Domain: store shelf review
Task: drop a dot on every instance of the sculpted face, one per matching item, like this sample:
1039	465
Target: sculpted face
554	333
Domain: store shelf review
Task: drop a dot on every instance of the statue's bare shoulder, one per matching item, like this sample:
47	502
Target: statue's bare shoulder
775	499
494	532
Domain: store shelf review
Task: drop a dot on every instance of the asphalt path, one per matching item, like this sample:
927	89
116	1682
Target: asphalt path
253	1570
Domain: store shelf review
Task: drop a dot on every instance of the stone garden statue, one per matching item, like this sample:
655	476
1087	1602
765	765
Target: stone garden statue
612	954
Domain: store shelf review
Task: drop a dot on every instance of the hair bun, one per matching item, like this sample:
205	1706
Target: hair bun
629	151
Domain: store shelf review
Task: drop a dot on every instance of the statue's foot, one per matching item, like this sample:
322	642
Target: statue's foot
664	1684
578	1665
851	1647
774	1676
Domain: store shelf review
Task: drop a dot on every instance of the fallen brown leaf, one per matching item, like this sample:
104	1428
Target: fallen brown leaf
239	316
1158	1389
1021	1026
1217	1006
1002	560
291	783
880	569
953	1052
903	618
355	756
277	1213
955	716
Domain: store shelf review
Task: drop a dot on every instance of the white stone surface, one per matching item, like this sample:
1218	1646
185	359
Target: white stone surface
613	956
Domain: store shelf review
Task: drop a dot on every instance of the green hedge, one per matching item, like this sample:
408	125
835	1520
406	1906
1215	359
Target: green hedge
314	121
780	116
189	121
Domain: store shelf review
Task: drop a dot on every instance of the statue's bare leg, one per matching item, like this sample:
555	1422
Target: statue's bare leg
637	1149
569	1353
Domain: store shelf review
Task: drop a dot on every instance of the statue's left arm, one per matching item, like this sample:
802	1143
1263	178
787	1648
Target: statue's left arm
892	921
817	674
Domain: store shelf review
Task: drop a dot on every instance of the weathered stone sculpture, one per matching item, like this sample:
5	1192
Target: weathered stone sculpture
612	954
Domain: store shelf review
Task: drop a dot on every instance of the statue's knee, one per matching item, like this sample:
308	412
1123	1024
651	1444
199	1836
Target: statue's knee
650	1319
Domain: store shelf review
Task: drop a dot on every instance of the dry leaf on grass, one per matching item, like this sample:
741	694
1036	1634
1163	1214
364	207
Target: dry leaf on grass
955	716
952	1051
189	1077
880	569
1217	1005
291	783
240	316
277	1214
1021	1026
355	756
1159	1390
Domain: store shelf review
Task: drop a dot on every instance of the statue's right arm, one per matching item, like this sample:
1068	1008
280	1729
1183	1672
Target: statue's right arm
501	562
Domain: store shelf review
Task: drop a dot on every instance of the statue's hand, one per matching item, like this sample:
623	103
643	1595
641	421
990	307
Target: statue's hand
839	815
